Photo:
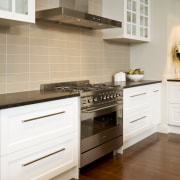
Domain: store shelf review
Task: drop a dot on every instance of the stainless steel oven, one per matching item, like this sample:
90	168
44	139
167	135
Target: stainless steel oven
101	124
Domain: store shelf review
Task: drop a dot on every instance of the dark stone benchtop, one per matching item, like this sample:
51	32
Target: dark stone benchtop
174	79
31	97
129	84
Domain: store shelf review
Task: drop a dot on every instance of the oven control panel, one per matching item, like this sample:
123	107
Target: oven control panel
102	97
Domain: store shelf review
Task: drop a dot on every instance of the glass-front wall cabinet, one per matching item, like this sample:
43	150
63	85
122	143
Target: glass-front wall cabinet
22	10
137	18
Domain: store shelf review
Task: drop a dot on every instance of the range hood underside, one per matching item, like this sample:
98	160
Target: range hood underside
68	16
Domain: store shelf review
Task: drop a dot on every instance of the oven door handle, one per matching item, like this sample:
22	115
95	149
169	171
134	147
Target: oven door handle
90	110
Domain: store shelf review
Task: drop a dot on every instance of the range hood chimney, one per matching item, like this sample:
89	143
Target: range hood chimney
75	12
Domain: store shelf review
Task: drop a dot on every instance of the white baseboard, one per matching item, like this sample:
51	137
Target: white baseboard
174	129
163	128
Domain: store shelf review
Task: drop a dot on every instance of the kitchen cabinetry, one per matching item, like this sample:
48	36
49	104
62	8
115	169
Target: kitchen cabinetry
40	141
135	17
174	103
13	11
141	112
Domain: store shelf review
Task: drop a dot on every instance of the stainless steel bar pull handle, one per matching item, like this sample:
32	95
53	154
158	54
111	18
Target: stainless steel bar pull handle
41	117
90	110
43	157
138	119
138	94
156	91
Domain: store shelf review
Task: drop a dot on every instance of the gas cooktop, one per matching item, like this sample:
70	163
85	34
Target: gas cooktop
79	86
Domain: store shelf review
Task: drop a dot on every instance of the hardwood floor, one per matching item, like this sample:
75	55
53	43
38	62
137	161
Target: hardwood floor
155	158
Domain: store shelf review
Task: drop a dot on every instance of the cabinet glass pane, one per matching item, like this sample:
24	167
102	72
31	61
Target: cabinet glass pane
134	6
129	4
134	30
146	11
128	16
144	2
145	32
21	6
128	29
141	32
6	5
141	20
134	18
141	9
146	21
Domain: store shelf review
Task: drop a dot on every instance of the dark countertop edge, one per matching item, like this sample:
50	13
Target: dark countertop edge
42	99
130	84
175	79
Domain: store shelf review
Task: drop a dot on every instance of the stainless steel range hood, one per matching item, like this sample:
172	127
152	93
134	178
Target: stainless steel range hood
75	12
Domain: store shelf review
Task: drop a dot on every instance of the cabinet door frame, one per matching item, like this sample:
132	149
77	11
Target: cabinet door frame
12	15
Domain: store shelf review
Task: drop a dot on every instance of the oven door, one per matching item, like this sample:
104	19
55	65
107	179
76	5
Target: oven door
101	131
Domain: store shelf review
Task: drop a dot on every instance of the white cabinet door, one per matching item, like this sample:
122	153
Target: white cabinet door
174	114
136	121
42	161
174	103
135	17
155	104
17	10
40	141
141	112
25	126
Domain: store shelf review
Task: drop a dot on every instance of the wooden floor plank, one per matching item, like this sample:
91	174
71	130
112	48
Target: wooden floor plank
155	158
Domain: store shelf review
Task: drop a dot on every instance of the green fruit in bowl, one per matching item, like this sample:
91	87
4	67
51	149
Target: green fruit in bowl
131	71
135	71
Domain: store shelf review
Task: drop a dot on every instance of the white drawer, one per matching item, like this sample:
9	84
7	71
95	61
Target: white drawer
135	98
29	125
174	114
42	161
174	92
135	122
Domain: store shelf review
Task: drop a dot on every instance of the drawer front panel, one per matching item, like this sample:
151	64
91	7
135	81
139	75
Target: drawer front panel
174	93
136	121
135	99
32	124
43	161
174	114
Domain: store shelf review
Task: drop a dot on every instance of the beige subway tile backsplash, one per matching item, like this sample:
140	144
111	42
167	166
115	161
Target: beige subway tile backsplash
17	86
2	49
39	53
17	68
17	59
18	77
38	76
18	49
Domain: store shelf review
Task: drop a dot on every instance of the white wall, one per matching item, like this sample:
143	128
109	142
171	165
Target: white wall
155	57
151	56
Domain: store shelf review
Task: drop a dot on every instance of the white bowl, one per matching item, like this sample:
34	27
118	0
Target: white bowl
135	77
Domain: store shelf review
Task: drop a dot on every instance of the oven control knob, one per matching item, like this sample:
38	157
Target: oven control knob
104	98
83	101
90	100
95	99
